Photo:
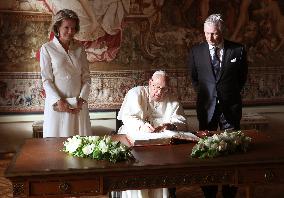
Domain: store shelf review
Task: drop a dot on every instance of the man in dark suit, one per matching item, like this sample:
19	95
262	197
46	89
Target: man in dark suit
218	71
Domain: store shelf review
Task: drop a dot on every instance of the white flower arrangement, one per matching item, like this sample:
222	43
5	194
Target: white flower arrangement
96	147
221	144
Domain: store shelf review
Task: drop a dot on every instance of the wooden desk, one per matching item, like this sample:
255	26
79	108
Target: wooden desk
40	169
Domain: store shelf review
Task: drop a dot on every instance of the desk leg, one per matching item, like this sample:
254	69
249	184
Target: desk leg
249	191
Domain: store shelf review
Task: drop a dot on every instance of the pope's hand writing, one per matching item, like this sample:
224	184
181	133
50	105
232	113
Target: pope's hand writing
159	129
165	126
147	127
169	126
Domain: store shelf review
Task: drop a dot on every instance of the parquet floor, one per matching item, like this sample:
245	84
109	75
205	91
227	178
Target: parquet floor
5	185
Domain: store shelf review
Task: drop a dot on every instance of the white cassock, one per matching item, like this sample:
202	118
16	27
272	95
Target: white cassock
138	108
147	193
64	75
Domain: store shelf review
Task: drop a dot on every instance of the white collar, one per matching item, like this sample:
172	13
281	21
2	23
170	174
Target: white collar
57	42
220	46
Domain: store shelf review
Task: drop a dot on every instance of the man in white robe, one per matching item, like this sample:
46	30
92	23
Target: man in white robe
147	109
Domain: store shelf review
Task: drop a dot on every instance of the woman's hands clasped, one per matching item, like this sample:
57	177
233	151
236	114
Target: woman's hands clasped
63	106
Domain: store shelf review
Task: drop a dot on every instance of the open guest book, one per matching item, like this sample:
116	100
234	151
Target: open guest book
161	138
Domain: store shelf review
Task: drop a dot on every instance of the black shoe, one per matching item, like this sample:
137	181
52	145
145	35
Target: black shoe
172	192
229	191
210	191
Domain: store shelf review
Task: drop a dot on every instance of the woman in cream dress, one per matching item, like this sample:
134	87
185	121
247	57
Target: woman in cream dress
66	80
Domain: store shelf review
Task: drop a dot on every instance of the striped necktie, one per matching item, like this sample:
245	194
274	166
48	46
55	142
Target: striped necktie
216	61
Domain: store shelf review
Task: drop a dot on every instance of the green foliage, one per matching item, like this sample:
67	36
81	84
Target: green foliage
221	144
96	147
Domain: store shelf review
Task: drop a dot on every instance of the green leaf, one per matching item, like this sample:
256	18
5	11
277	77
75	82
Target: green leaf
221	144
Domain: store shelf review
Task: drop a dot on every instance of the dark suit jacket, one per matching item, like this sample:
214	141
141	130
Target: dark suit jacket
227	88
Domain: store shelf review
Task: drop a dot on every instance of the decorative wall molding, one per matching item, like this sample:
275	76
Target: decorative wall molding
25	15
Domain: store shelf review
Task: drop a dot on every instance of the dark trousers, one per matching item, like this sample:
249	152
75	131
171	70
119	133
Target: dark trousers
227	191
218	119
172	192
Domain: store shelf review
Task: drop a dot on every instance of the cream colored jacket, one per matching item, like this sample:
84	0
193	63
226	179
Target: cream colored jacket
64	75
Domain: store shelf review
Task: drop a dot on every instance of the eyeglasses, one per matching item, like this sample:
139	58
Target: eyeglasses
161	89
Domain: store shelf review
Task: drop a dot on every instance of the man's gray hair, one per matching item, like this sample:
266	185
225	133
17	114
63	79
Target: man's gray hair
160	72
215	19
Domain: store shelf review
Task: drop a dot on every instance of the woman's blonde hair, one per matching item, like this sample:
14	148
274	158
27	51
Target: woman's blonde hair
60	16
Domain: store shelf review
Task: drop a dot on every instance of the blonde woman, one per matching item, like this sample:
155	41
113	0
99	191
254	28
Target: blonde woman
66	79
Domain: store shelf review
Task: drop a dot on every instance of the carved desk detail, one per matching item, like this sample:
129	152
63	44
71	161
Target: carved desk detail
19	189
155	181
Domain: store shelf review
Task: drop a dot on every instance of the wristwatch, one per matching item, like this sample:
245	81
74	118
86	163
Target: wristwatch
81	99
173	127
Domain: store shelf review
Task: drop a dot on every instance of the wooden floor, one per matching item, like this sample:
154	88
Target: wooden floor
5	185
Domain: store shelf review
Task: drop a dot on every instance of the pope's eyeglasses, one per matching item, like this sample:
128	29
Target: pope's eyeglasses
161	89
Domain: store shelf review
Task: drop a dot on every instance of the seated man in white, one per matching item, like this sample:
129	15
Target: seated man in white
147	109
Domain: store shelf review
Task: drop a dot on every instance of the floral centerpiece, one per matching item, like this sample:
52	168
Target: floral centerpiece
96	147
221	144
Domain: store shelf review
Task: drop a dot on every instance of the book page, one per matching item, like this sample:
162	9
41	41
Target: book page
149	136
144	138
182	135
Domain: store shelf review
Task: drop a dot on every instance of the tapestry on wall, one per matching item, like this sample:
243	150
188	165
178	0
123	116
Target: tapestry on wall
22	92
151	34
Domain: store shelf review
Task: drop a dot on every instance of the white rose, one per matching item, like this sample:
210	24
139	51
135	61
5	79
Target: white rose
222	146
216	137
214	146
103	147
88	149
208	142
93	138
72	145
108	139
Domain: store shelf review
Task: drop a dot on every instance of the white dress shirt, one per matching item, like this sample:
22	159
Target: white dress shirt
220	52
